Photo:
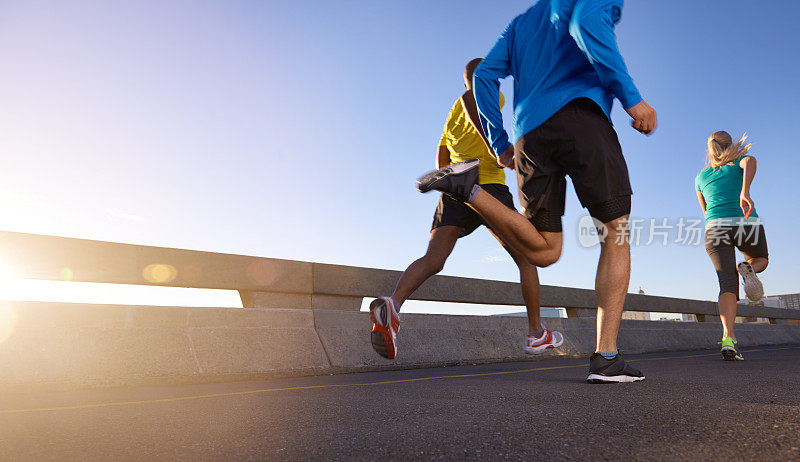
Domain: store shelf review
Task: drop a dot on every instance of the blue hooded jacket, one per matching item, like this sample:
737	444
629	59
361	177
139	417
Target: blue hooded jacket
557	51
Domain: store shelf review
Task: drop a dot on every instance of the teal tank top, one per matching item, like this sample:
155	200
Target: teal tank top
721	188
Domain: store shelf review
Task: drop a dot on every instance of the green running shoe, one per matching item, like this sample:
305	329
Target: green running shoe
729	351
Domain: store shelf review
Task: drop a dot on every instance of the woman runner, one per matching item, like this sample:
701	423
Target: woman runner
723	189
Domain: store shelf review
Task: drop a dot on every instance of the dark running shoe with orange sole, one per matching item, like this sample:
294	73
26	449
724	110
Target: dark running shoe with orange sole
457	180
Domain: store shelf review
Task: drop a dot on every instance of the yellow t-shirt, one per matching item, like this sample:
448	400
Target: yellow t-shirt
464	143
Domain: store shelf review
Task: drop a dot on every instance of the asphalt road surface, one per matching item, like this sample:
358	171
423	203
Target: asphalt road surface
692	406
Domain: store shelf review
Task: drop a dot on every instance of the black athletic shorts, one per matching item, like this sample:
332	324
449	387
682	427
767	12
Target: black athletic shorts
451	212
578	141
721	241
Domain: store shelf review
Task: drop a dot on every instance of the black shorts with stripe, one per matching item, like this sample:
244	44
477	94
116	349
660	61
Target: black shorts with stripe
578	141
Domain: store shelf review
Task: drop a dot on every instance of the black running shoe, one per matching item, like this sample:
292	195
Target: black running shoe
602	370
456	180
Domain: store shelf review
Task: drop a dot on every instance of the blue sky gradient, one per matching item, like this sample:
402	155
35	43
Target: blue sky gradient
296	129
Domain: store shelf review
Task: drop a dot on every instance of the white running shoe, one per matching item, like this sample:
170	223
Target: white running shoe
752	285
549	339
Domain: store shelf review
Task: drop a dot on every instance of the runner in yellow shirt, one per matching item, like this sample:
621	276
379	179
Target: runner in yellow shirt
462	140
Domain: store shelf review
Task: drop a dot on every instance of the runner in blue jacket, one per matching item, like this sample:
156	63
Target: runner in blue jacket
567	71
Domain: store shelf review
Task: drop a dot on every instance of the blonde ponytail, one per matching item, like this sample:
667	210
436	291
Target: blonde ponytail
722	149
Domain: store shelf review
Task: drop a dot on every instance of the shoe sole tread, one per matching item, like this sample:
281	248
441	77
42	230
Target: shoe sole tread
600	378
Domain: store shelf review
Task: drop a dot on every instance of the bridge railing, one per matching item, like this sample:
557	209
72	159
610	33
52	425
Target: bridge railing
274	283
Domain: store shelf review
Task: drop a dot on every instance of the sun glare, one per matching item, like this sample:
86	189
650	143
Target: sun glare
6	279
67	274
160	273
5	272
66	290
8	321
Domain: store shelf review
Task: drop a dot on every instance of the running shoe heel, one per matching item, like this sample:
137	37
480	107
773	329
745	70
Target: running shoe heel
376	309
729	351
385	324
457	180
753	287
550	339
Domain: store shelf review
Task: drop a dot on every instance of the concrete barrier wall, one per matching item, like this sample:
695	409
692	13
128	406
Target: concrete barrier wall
441	339
59	258
273	283
77	345
91	345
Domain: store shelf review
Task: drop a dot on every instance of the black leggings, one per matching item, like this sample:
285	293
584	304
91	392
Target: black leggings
720	244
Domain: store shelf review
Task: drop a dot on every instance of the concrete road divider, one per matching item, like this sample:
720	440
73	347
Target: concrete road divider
79	345
436	340
299	318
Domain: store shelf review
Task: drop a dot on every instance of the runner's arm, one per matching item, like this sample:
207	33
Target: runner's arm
442	157
486	85
749	165
702	201
592	27
506	159
443	153
471	110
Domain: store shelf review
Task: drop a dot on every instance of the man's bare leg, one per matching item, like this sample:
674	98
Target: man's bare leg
529	282
539	338
539	249
611	284
384	311
443	240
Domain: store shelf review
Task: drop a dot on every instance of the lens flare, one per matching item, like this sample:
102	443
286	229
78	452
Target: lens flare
8	321
160	273
67	274
6	281
262	273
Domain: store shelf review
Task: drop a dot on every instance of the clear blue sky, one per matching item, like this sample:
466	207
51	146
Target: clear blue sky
296	129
